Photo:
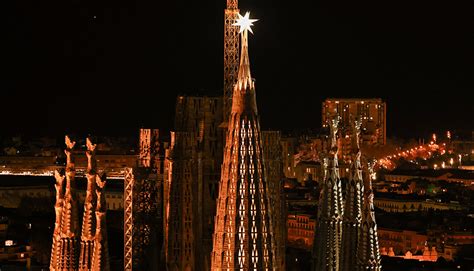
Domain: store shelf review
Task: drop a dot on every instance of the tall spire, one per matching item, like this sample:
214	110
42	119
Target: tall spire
70	223
326	252
368	244
88	219
243	233
354	199
67	252
244	78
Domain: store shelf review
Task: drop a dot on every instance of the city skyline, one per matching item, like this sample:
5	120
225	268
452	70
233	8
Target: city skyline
130	61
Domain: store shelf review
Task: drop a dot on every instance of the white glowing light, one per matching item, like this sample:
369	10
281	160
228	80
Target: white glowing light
245	22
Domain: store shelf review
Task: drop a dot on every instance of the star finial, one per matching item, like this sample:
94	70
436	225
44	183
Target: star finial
245	22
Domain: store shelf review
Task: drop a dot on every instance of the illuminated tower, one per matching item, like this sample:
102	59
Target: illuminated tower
327	245
89	219
94	250
68	249
354	199
243	238
231	54
368	243
90	251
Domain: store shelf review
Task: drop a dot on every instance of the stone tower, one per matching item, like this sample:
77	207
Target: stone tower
354	199
368	244
346	233
88	250
243	238
327	245
65	248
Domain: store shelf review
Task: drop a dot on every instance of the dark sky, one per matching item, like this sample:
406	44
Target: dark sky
111	66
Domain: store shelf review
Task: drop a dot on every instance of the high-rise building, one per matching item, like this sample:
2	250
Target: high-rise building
87	250
373	113
243	235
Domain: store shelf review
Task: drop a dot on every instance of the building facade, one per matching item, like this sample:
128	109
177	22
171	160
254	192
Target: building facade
373	113
301	230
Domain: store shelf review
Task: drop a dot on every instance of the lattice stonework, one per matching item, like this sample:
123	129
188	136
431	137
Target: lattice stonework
141	220
231	54
128	219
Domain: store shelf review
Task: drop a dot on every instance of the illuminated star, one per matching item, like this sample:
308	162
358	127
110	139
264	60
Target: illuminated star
245	22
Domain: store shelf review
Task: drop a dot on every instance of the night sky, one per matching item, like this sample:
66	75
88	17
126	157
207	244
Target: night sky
111	66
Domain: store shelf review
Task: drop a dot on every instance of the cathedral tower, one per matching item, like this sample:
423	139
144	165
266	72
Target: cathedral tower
354	199
368	243
65	249
88	250
327	245
243	238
